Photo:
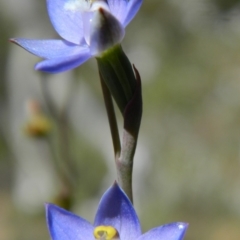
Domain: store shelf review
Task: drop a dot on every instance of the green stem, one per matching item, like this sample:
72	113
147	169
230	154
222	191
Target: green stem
124	170
111	118
123	82
132	119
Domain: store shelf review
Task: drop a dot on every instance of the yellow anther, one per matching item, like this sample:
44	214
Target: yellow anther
105	233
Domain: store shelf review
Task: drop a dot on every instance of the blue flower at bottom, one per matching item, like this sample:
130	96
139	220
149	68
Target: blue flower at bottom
115	219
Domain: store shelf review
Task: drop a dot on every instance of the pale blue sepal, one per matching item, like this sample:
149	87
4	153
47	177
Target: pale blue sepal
124	10
132	9
66	63
118	8
116	210
172	231
66	18
51	48
64	225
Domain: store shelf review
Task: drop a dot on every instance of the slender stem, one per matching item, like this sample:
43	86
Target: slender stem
59	147
111	118
124	170
132	120
64	147
61	120
53	112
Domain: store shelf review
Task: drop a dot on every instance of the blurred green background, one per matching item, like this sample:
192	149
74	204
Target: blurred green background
187	165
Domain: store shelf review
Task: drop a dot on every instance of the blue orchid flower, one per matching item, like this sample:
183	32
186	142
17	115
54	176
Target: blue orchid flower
115	219
88	28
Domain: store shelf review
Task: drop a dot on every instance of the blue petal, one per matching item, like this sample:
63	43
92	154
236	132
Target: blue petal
48	48
124	10
66	19
116	210
118	9
64	225
65	63
132	9
172	231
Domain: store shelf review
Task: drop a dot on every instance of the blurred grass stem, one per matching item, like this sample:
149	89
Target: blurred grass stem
59	146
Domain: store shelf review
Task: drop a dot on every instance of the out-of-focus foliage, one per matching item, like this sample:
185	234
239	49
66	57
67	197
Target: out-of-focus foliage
187	163
224	5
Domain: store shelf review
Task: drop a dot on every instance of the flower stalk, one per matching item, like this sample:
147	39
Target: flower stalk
132	121
124	84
